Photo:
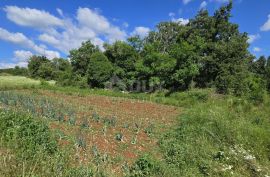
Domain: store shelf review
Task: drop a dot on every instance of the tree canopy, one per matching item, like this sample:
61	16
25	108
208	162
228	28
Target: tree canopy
209	51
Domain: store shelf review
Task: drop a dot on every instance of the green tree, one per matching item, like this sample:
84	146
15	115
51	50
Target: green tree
268	74
155	68
46	71
62	71
259	66
99	70
123	57
136	42
80	57
34	64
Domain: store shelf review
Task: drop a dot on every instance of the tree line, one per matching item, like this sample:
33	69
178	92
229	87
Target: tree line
208	52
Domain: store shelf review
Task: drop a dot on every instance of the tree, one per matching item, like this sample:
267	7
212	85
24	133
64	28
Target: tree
46	71
34	64
155	68
80	57
136	42
123	57
268	74
99	70
186	68
62	70
259	66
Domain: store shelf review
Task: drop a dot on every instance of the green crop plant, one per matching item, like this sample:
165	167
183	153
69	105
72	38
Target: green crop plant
110	121
80	141
96	117
72	120
149	129
85	123
119	137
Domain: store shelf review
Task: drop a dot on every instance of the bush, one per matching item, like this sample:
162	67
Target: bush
257	90
145	166
193	96
28	136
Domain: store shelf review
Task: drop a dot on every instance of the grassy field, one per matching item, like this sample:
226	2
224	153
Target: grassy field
7	82
20	82
54	131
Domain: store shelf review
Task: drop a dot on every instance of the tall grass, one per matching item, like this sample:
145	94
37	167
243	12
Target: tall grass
220	138
12	82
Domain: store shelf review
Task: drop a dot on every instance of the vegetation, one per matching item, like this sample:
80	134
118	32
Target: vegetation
11	82
208	52
187	100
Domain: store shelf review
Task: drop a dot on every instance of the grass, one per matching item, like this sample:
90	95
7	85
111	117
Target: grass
223	137
9	82
215	135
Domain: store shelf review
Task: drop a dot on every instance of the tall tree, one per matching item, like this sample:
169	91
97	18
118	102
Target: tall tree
123	57
34	64
99	70
80	57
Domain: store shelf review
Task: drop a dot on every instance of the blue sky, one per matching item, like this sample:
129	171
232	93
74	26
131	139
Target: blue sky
53	27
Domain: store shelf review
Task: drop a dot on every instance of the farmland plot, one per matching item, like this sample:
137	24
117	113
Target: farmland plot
97	128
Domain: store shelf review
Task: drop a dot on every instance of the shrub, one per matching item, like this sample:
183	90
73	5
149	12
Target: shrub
26	134
257	89
145	166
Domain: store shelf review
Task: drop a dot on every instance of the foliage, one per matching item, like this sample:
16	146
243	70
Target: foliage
35	63
208	52
17	71
219	138
99	70
27	135
80	57
145	166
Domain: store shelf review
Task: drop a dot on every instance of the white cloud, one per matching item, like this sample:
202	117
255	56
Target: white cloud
141	31
12	65
203	5
266	26
171	14
22	55
20	59
257	49
181	21
99	24
126	25
31	17
23	41
220	1
186	1
88	25
252	38
60	12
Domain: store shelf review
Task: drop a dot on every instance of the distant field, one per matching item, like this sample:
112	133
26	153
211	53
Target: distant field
9	82
17	81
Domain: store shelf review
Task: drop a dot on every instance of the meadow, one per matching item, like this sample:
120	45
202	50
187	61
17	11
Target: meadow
47	130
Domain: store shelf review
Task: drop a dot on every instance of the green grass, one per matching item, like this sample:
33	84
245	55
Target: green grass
8	82
223	137
180	99
13	82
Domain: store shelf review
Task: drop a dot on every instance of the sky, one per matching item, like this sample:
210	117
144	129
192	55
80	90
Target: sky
52	28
